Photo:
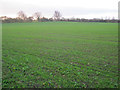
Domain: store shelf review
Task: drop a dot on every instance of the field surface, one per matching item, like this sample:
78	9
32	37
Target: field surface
60	54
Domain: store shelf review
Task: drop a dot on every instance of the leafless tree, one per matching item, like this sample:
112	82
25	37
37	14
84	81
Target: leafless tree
22	15
57	15
37	15
30	19
4	17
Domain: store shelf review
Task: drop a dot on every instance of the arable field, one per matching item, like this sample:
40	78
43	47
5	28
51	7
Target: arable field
60	55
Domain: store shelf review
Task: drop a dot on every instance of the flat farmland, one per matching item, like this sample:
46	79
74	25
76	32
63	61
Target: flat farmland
60	55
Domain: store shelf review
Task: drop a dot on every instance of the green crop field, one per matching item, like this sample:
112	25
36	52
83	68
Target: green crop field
60	55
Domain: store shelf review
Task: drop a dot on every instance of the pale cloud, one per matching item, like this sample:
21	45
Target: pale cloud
68	8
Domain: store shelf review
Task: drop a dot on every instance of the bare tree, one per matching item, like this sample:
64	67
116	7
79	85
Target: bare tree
37	15
57	15
30	19
4	17
22	15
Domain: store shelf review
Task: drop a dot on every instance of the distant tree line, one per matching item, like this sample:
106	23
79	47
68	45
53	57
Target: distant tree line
37	17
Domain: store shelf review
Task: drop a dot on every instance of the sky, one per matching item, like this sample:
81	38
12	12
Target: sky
69	8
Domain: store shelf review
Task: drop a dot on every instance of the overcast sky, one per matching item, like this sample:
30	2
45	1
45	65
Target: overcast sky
68	8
